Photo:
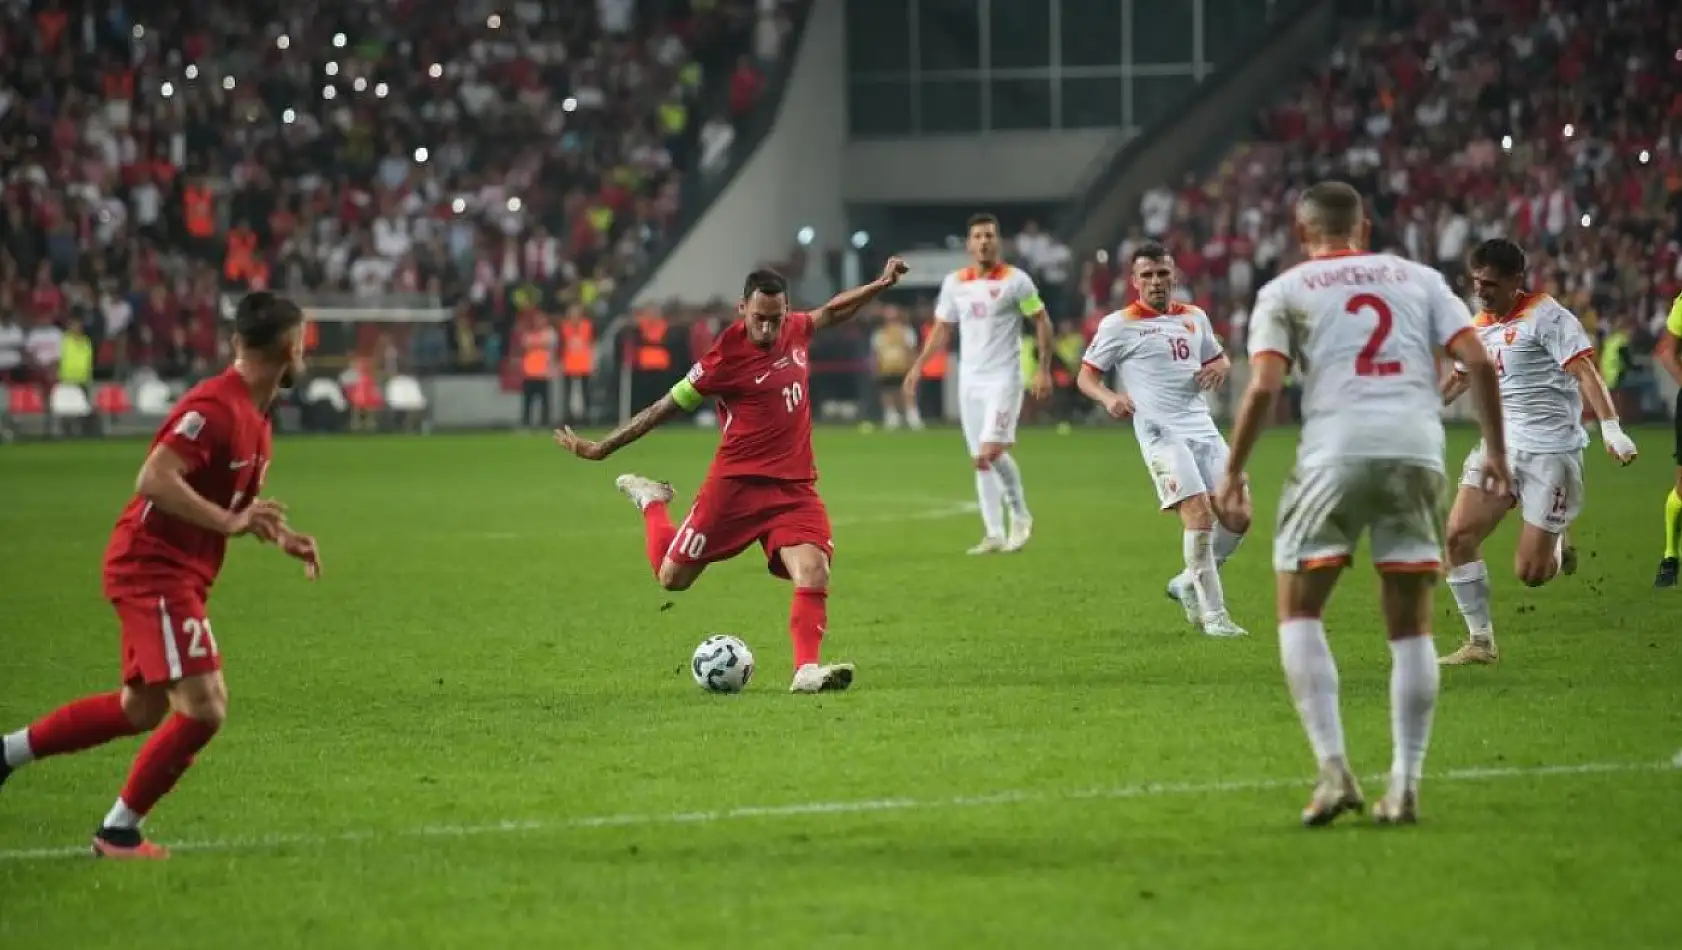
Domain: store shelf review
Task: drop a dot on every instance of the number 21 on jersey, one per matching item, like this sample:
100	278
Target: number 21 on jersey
1367	362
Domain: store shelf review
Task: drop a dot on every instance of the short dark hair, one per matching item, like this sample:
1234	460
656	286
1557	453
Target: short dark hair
979	218
263	319
766	281
1331	207
1500	255
1149	251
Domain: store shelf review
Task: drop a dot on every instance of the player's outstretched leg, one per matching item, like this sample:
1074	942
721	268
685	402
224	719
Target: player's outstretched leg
1414	680
653	499
1311	674
200	703
1473	518
88	722
1016	501
808	618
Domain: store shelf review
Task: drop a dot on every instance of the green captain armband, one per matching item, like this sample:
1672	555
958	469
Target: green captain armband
1031	305
687	396
1674	322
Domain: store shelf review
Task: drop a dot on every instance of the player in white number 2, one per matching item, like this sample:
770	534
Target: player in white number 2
1168	356
1363	330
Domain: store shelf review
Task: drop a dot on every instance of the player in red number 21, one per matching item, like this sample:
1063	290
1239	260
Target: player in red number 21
762	483
197	488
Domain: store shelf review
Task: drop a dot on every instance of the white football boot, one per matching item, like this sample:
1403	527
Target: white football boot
1221	625
988	545
1399	806
1335	793
1183	592
822	678
643	491
1021	529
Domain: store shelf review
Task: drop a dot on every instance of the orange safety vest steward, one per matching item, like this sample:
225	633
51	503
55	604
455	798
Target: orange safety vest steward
652	355
578	343
537	353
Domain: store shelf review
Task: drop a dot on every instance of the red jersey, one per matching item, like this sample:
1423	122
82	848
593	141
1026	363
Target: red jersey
225	440
764	411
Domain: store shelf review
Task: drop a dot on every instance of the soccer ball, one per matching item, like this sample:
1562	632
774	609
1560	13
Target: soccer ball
722	664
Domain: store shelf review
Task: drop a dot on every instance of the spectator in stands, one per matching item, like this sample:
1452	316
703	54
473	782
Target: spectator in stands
1465	121
12	363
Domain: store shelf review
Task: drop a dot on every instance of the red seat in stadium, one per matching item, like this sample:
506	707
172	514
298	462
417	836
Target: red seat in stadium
112	399
27	400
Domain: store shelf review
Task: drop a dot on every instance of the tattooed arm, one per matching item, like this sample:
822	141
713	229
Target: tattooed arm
640	425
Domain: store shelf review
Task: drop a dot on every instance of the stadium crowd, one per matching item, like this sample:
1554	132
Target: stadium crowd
1557	125
529	154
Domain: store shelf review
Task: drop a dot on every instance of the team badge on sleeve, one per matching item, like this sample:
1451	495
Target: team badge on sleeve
190	425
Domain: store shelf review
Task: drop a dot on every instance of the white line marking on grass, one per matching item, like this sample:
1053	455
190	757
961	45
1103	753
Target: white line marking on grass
857	807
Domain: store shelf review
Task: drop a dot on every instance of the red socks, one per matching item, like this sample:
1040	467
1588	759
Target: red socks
658	533
83	724
163	759
807	619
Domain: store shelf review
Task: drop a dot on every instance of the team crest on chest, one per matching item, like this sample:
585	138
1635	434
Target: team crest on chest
799	356
1509	335
993	292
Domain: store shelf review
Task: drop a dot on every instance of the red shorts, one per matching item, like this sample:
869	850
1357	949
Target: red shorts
165	637
729	514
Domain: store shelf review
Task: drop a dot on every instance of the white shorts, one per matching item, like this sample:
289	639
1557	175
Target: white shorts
1184	468
1325	509
1548	485
989	412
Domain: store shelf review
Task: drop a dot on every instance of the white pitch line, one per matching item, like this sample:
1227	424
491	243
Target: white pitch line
857	807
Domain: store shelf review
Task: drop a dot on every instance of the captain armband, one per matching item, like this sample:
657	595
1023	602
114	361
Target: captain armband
687	396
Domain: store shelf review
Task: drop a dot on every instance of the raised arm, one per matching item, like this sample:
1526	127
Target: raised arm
639	425
845	304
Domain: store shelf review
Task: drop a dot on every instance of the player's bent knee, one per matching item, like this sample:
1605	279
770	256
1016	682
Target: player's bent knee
677	577
807	566
203	697
145	706
1196	513
1534	574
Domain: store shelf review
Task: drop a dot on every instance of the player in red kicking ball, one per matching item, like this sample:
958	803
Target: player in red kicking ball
762	484
197	488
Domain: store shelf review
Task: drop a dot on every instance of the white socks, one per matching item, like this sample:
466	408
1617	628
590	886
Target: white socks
1413	697
991	492
1015	495
1225	544
1199	550
1470	584
1312	675
15	750
122	816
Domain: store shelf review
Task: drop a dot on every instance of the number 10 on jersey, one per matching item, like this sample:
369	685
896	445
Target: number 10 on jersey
793	395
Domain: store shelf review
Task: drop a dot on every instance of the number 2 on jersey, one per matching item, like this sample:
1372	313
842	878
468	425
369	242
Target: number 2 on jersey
1367	362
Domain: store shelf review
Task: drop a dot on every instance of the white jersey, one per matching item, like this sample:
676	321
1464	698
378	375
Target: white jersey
1159	354
1362	331
1542	405
988	307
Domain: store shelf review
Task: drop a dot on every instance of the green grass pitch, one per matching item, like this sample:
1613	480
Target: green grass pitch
478	729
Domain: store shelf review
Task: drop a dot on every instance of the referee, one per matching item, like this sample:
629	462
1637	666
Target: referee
1669	355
